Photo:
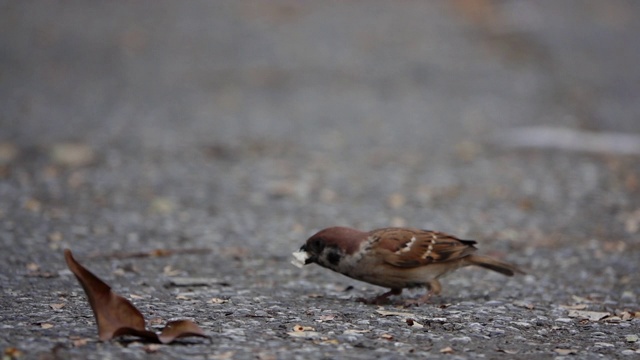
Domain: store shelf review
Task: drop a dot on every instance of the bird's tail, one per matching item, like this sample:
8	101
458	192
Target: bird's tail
493	264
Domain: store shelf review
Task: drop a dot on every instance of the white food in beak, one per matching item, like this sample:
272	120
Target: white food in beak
299	258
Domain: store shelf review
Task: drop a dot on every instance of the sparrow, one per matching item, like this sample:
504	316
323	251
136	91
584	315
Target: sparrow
395	258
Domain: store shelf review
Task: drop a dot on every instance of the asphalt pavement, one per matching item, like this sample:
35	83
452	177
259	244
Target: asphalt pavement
184	150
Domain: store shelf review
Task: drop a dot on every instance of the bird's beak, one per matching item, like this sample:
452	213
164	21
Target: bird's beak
301	257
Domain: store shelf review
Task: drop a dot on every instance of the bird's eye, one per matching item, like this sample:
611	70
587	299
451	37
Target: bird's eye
317	244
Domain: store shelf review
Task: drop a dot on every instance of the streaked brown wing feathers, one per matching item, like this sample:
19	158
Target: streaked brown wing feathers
414	247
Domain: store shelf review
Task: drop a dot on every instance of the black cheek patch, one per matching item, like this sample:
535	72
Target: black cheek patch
333	258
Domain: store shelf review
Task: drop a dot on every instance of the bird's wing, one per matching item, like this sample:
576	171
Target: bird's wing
414	247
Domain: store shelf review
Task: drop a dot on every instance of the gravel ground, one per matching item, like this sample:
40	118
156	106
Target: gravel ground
238	129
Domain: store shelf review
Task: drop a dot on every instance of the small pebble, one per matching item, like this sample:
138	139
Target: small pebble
475	326
462	339
603	344
348	338
495	331
439	319
521	323
493	303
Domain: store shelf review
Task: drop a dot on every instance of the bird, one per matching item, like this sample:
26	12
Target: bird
395	258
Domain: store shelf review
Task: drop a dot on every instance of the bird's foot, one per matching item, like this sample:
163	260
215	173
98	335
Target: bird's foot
419	301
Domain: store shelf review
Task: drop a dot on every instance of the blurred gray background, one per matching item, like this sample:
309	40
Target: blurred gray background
170	75
242	127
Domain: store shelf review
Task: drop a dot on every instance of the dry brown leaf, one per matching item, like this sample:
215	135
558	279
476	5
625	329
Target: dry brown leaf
42	274
155	321
119	272
34	270
80	342
33	267
12	353
326	317
304	334
162	205
580	299
235	252
170	271
299	328
613	319
632	221
330	341
55	236
574	307
152	348
524	304
628	315
589	315
8	152
447	350
33	205
72	154
179	329
224	356
386	336
116	316
266	356
565	351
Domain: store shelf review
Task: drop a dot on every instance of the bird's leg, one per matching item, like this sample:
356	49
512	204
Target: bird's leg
381	299
434	289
